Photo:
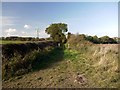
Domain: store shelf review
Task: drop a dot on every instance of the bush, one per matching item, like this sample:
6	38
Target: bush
81	38
77	41
19	59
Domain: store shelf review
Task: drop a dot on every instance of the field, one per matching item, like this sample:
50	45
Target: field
94	66
11	42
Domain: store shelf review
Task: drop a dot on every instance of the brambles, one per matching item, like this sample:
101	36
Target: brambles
19	59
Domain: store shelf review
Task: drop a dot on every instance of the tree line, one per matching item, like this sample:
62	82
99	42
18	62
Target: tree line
16	38
57	32
95	39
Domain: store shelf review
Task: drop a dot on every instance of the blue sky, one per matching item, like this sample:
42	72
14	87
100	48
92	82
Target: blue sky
91	18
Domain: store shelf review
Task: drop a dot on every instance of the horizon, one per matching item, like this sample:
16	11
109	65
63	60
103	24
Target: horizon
49	36
89	18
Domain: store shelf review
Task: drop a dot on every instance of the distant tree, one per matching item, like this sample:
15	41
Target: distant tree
111	41
3	38
106	39
118	40
96	39
57	32
89	38
68	35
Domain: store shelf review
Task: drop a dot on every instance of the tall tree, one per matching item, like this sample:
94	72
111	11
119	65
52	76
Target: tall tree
57	32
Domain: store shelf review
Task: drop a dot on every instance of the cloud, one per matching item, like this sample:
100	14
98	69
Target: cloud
10	32
27	26
23	32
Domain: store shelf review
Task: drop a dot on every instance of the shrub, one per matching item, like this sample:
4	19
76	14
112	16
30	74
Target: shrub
19	59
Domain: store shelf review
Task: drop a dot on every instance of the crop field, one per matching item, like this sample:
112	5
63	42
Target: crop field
94	66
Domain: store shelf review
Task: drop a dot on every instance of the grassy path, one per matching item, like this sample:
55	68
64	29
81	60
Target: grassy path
63	73
60	74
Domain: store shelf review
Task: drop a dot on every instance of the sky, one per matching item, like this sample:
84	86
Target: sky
90	18
60	0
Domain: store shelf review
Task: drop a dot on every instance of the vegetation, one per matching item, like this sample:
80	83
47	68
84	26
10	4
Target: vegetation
59	68
85	61
20	58
106	39
56	32
59	36
93	39
12	42
16	38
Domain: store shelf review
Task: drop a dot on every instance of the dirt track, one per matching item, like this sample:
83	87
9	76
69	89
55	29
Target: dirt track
102	60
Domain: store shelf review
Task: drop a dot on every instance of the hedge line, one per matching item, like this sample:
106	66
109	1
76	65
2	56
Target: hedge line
17	59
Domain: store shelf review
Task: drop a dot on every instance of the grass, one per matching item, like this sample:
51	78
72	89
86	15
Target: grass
47	59
58	68
103	75
12	42
33	61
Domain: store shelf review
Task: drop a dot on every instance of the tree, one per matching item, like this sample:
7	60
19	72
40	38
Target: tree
68	35
105	39
89	38
111	41
57	32
95	39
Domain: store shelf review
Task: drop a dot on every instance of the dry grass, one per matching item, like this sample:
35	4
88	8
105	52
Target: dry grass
96	64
